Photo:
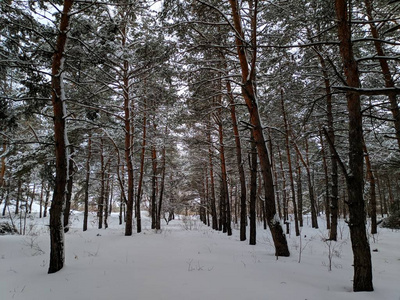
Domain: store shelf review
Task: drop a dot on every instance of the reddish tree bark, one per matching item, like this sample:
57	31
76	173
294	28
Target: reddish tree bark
249	95
362	280
57	257
387	74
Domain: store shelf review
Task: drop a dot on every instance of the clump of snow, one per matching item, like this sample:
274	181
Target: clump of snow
180	263
276	220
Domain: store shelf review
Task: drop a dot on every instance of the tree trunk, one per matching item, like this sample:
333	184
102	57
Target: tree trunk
222	209
344	200
212	185
87	179
313	202
41	199
100	202
162	186
225	191
284	196
46	201
154	188
122	204
334	196
289	159
239	160
390	194
3	167
3	162
273	165
389	82
207	199
326	177
333	201
299	191
381	194
253	191
3	172
32	197
314	222
203	197
110	206
6	198
107	193
248	92
372	191
19	194
69	191
140	183
57	257
362	280
235	204
128	146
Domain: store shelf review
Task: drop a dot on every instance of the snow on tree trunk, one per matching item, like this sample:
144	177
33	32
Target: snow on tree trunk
57	257
362	280
249	95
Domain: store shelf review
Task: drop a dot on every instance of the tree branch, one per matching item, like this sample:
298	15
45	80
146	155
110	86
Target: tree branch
369	91
336	154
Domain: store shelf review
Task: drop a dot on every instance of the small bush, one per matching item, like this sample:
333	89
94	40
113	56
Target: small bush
7	228
393	221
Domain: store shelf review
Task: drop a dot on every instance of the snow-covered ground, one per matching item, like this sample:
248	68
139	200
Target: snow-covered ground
188	260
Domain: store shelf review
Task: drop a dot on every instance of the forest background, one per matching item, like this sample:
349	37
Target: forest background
228	109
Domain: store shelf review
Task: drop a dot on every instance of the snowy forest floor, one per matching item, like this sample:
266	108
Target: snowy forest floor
187	260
